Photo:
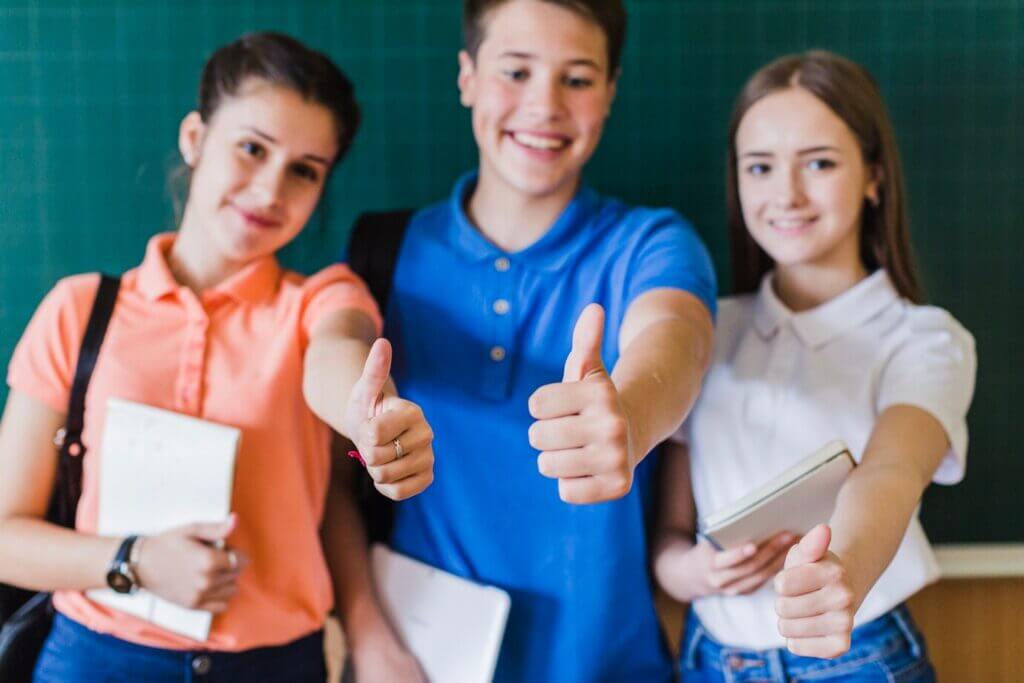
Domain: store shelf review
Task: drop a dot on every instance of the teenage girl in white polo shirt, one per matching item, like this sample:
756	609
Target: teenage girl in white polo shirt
827	339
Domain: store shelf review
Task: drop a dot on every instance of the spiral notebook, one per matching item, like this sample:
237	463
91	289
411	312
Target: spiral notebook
160	470
796	500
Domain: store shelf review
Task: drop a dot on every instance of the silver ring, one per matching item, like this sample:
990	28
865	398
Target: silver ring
232	560
399	451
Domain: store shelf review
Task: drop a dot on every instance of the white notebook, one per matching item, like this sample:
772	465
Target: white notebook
160	470
796	500
453	626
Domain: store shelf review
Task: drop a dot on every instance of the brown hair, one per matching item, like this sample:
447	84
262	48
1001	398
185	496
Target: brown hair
852	94
610	15
283	61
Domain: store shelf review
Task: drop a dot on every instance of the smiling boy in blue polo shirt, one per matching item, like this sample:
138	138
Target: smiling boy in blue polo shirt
540	478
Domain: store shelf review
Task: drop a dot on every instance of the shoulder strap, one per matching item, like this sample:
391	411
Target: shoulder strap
69	471
373	254
373	250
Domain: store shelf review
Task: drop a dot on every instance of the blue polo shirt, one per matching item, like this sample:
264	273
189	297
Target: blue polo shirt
476	331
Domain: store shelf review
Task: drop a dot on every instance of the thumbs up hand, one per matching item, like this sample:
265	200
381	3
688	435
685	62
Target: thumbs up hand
391	434
581	428
816	601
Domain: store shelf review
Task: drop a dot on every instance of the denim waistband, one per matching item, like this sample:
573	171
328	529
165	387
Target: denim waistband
876	639
200	663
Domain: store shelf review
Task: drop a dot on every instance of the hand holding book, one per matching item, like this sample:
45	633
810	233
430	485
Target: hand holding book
190	566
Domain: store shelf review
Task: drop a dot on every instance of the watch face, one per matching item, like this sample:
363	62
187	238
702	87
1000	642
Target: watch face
119	581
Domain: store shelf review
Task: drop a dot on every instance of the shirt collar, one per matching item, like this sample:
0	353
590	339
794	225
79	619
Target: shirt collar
820	325
253	283
550	252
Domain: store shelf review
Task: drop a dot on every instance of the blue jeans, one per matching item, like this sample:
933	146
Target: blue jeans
889	648
76	654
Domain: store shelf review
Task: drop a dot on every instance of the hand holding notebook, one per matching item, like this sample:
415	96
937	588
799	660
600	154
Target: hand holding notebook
796	500
159	471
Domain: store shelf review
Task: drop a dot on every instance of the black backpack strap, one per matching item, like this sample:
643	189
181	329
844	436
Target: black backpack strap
68	488
373	250
373	254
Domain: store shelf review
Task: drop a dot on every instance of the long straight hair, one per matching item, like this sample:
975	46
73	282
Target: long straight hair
852	94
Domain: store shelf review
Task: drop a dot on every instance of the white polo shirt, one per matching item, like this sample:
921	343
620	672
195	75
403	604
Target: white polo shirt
783	384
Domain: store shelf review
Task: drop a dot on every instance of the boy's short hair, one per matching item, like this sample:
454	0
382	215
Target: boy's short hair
610	15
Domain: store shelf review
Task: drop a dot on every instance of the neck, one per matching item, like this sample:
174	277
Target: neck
511	219
193	264
808	285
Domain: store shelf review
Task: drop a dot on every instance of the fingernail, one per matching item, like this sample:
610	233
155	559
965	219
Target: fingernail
749	549
355	454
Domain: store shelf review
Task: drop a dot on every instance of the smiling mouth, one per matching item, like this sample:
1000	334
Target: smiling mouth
256	219
791	224
543	143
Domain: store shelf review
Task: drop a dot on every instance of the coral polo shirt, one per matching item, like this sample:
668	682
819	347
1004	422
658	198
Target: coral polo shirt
233	355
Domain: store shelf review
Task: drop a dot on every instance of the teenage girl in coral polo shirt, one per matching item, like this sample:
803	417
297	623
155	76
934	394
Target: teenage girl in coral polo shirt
210	325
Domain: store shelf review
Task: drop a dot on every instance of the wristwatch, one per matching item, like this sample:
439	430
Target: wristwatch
121	575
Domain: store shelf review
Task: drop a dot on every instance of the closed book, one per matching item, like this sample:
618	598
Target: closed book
796	500
453	626
161	470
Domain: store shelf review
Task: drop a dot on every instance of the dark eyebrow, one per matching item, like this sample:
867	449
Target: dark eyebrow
579	61
271	139
819	148
806	150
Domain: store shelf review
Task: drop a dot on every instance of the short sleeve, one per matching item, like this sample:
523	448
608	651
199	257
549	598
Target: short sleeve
933	369
43	363
673	255
333	289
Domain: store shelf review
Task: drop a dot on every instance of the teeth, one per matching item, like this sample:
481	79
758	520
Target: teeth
790	223
539	142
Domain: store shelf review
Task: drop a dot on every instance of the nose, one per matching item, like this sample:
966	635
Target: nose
268	184
544	97
789	188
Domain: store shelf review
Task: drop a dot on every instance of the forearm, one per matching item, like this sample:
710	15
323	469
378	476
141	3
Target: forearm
671	568
348	558
37	555
658	376
866	543
332	367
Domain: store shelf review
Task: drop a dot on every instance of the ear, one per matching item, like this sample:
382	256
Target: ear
873	187
467	79
190	137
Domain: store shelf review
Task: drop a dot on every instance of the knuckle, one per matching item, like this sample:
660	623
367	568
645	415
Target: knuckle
844	598
614	429
844	622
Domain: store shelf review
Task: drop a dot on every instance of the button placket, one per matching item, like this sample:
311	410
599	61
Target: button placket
501	324
193	359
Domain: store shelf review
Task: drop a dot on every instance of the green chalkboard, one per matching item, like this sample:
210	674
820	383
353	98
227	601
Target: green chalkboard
91	93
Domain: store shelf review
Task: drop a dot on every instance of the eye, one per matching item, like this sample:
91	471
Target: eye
758	169
821	164
306	172
253	149
516	75
578	82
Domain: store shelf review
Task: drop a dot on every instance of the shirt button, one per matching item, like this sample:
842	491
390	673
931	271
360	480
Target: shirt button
201	664
500	306
497	354
501	264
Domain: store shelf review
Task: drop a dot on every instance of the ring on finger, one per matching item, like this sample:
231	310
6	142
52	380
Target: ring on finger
399	451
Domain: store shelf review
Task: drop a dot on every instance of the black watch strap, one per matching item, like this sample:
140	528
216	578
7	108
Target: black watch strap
120	576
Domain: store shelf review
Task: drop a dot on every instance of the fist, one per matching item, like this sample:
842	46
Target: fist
393	438
582	430
816	601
